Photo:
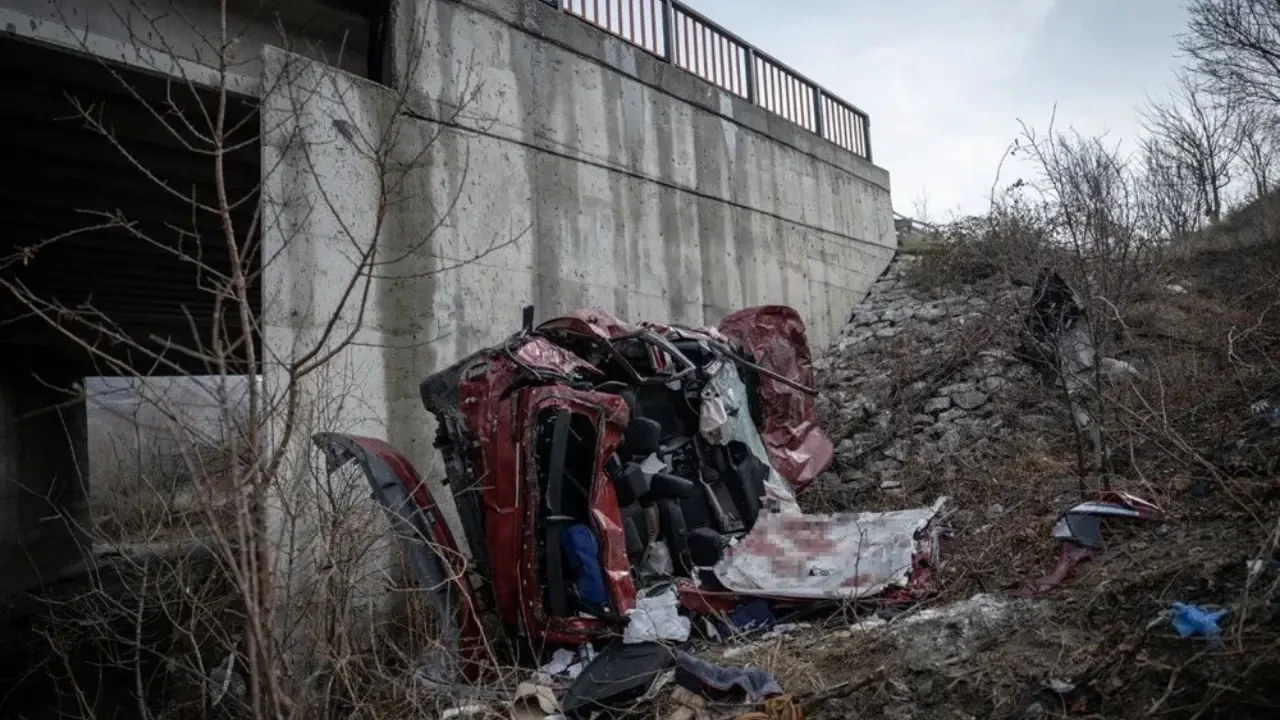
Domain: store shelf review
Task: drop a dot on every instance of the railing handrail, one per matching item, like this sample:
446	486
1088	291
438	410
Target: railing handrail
759	53
786	101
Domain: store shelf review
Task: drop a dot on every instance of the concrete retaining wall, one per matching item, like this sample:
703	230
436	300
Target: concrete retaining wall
531	158
646	190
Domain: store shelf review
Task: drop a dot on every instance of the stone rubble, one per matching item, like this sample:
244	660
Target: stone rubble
917	376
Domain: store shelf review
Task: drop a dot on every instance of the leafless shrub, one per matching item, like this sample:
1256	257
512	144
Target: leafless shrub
1259	131
1193	137
992	247
1235	46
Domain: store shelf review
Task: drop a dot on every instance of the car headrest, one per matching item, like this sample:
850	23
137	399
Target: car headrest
643	436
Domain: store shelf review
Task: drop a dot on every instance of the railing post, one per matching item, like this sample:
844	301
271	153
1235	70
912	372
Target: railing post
751	73
817	110
669	30
866	134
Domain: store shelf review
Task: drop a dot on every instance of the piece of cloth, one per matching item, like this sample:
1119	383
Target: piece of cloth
1080	530
656	618
565	664
1194	620
752	615
583	553
558	667
833	557
724	684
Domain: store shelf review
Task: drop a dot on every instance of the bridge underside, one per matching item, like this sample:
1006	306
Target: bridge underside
99	190
103	250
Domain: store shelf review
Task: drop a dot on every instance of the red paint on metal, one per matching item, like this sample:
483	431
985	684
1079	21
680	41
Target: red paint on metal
590	322
493	457
610	413
798	448
502	424
542	354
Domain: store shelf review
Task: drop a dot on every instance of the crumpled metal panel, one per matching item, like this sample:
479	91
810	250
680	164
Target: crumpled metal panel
542	354
439	567
846	556
491	425
590	322
775	336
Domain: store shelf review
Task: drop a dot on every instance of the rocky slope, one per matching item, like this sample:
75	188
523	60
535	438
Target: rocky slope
923	377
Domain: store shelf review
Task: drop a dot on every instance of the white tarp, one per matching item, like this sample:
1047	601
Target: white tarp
836	557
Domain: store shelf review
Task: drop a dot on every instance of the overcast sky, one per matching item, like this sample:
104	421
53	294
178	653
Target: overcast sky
946	82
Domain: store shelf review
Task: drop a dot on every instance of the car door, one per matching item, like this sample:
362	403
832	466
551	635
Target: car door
438	565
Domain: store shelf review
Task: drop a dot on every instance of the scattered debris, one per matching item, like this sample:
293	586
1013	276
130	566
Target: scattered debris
1080	530
565	664
1081	524
534	702
656	618
780	707
1258	566
691	706
1197	621
1052	700
1268	410
465	711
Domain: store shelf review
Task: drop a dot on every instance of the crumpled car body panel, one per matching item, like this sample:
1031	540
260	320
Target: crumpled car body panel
438	564
775	336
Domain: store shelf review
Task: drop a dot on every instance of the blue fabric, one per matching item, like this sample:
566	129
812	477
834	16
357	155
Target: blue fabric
752	615
583	553
1191	620
724	684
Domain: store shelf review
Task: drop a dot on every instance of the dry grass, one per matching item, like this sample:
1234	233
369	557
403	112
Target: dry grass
1182	436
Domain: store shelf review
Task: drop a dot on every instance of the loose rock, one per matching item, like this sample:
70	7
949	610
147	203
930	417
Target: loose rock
970	400
937	405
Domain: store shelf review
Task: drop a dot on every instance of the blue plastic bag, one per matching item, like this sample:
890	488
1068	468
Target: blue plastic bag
1189	620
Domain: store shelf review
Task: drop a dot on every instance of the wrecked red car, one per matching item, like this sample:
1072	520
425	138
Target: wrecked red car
588	457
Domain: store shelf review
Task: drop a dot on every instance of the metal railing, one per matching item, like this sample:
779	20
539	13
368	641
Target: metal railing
681	36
